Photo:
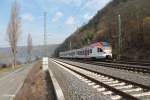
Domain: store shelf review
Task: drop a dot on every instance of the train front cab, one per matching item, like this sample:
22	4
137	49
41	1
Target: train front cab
101	53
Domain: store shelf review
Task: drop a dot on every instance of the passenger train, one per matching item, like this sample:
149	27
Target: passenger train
99	50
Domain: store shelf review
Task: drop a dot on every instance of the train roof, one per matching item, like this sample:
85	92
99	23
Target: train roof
99	45
94	45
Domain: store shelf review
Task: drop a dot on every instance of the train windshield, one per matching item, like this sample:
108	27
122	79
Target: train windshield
105	44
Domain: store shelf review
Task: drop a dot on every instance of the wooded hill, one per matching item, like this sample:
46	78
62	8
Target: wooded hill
135	20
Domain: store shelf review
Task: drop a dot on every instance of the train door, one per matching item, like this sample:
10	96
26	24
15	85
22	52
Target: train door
94	53
100	53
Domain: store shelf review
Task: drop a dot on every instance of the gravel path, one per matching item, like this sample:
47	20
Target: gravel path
73	88
135	77
12	82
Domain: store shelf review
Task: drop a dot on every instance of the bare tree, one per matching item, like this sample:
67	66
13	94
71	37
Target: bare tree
29	48
13	30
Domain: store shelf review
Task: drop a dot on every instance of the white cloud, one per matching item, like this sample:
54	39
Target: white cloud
57	16
70	21
27	17
87	16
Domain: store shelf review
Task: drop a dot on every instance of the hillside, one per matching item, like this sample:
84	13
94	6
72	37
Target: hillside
135	20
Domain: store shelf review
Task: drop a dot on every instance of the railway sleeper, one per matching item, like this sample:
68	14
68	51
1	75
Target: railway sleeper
112	82
117	84
132	90
142	94
116	97
124	87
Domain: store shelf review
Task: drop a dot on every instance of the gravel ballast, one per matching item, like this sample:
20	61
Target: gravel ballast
73	88
135	77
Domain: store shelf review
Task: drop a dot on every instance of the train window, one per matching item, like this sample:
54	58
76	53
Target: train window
78	52
86	52
99	50
90	50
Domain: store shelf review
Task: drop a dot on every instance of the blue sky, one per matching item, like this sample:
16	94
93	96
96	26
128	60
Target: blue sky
63	18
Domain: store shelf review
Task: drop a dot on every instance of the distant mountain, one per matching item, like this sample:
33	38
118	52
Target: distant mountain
38	51
135	20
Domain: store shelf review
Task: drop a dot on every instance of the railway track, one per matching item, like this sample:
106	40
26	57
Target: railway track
116	88
128	67
130	62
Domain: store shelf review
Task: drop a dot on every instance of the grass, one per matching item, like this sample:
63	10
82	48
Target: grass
9	69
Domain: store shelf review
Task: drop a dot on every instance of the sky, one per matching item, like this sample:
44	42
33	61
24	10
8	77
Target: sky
63	18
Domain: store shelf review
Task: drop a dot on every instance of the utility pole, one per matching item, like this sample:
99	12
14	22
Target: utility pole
119	37
45	33
70	45
45	58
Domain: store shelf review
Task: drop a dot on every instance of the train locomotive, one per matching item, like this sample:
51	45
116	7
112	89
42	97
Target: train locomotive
99	50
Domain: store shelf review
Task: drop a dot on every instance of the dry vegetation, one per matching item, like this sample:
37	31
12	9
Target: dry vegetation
13	30
37	86
4	69
135	17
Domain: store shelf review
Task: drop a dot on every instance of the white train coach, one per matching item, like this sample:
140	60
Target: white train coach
99	50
